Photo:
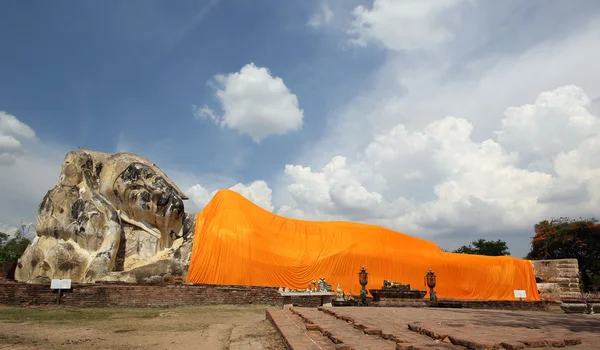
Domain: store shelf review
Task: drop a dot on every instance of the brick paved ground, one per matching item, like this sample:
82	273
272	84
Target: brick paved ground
341	332
294	332
428	328
488	326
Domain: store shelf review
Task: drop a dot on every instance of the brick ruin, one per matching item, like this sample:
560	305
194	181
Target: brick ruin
557	279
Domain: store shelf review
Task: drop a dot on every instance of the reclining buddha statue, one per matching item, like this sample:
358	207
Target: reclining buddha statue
118	217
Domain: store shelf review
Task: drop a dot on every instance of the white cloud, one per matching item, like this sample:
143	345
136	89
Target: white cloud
402	24
579	168
28	169
255	103
198	198
337	191
257	192
415	89
557	121
322	16
9	143
9	230
440	180
10	125
12	130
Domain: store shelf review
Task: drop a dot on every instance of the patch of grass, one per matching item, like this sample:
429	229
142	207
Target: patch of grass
66	315
109	317
59	315
12	339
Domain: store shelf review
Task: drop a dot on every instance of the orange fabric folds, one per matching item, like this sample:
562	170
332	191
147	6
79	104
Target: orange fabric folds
239	243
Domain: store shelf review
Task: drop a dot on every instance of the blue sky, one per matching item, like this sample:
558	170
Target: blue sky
95	74
429	117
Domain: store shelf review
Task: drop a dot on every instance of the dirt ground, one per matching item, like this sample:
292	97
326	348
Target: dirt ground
197	327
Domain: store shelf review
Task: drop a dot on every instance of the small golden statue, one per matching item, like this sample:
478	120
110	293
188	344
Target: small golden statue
340	293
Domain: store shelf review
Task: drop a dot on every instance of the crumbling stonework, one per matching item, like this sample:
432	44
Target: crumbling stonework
111	217
557	279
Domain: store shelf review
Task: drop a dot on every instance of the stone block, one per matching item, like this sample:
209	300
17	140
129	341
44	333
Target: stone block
415	327
572	341
556	343
312	327
372	331
333	338
567	265
343	347
512	345
564	280
571	295
574	273
460	341
535	343
574	308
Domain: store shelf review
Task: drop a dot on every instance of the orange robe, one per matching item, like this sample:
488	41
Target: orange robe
239	243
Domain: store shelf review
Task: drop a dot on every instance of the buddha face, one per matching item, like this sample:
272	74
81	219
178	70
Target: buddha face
146	196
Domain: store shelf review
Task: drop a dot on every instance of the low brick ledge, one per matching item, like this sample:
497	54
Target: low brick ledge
138	294
165	294
462	340
531	305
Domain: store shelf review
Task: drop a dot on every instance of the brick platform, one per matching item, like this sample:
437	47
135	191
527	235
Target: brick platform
146	294
426	328
539	305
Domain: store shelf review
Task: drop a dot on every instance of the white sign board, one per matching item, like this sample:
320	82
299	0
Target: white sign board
60	284
520	293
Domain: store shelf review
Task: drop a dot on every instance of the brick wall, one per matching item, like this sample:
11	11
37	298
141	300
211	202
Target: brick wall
143	295
13	293
501	304
307	301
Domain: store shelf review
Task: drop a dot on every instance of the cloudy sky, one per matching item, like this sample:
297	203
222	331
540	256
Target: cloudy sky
450	120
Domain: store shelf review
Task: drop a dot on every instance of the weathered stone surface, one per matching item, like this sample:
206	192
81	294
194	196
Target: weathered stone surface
557	279
574	308
112	217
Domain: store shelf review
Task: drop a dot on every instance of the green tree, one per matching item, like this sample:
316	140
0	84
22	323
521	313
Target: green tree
485	247
12	249
566	238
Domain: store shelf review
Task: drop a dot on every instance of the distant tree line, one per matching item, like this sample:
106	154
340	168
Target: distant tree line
13	246
485	247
